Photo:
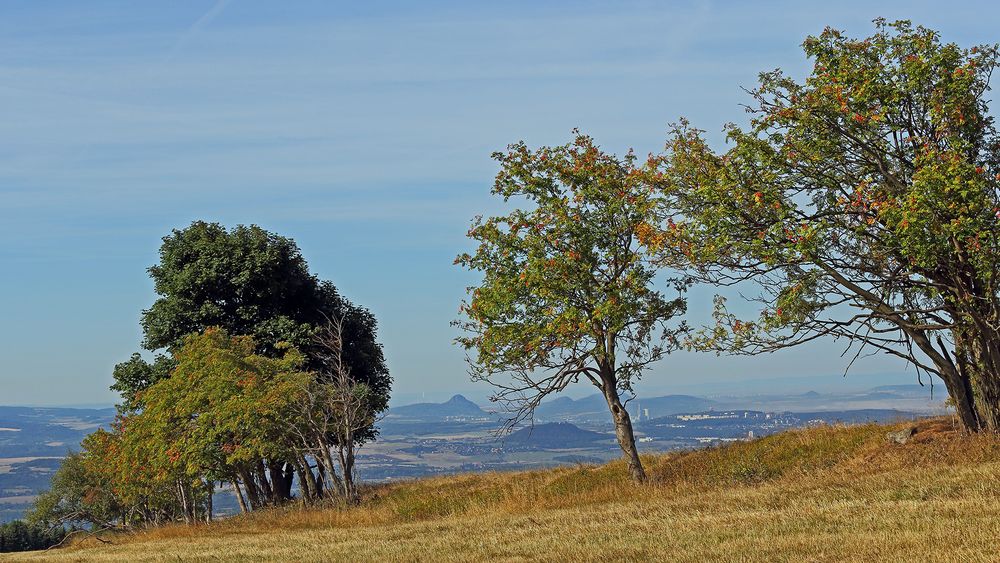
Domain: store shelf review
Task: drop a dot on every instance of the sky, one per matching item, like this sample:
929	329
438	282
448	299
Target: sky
363	130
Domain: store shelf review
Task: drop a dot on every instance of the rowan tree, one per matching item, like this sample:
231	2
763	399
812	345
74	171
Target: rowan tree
225	414
567	292
864	202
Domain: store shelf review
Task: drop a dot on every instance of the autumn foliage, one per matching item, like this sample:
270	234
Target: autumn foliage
568	292
863	201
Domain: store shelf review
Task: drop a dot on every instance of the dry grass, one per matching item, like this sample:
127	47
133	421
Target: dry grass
823	494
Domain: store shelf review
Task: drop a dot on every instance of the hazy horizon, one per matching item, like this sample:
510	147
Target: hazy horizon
789	386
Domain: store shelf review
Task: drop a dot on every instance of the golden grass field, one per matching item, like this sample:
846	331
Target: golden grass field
822	494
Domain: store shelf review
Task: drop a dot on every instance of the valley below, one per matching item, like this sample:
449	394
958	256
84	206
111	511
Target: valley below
459	436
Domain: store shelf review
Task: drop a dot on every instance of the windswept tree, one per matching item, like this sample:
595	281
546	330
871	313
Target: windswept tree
225	414
864	202
249	282
237	334
567	292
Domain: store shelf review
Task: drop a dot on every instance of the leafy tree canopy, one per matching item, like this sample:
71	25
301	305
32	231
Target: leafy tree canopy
250	282
247	281
567	290
226	413
223	406
864	202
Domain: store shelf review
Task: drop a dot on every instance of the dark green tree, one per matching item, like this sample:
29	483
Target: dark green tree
136	375
248	281
28	536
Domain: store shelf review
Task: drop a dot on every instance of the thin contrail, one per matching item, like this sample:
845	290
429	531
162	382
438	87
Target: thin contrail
196	27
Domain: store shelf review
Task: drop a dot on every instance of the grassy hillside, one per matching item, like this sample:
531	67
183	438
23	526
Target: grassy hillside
823	494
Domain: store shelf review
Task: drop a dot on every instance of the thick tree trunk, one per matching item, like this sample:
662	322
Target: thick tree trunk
975	388
262	482
985	380
251	486
988	407
346	455
281	481
959	375
623	431
965	405
953	367
960	392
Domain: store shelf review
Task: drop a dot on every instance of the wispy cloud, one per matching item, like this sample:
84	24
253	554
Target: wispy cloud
197	27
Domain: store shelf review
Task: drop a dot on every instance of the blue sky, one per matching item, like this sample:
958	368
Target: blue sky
361	130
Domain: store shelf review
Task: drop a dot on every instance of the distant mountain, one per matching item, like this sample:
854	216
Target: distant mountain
563	408
554	436
594	407
457	406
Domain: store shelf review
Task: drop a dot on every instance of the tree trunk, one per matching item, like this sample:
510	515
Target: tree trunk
975	388
988	399
320	480
623	430
957	374
289	470
346	456
263	483
211	501
281	481
182	493
239	495
251	486
954	371
985	382
305	478
336	483
960	391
